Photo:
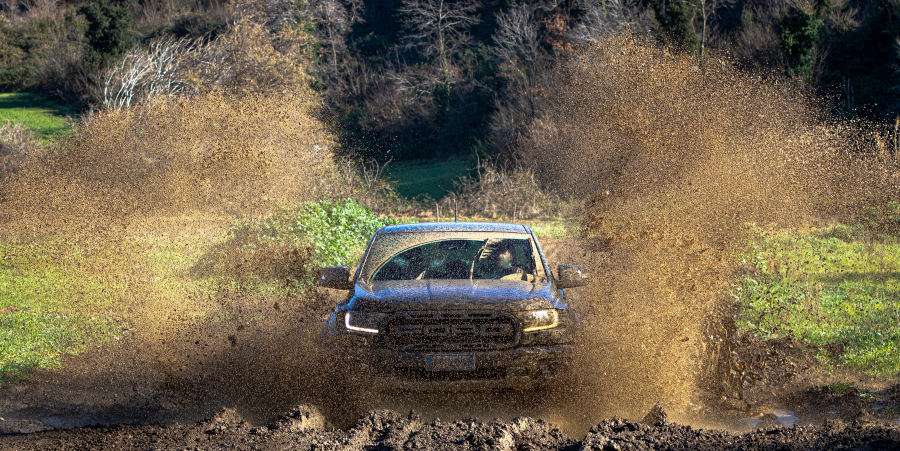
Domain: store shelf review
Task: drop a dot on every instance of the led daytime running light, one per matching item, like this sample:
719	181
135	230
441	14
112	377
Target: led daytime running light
357	329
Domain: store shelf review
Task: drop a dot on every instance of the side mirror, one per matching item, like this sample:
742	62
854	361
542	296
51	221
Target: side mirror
571	276
337	277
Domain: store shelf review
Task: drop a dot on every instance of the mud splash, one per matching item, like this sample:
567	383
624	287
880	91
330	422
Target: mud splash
135	196
678	157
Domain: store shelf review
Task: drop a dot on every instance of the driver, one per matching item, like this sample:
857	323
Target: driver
415	264
500	263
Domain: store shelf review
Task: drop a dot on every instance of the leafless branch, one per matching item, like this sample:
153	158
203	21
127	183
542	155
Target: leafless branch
145	73
517	35
438	27
601	17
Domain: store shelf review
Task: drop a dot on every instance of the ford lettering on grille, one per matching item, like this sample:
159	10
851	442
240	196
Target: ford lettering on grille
455	330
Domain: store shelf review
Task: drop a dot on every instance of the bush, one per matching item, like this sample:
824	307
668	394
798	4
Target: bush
283	251
493	192
42	51
338	231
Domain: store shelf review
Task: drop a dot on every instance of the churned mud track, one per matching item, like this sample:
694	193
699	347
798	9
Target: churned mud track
165	388
305	428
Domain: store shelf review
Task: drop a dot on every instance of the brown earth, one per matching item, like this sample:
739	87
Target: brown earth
166	388
305	428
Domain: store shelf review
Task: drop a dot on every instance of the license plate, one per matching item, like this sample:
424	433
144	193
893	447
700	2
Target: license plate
450	362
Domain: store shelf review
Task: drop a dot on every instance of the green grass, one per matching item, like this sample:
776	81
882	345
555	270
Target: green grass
49	307
433	179
837	285
46	119
57	299
553	228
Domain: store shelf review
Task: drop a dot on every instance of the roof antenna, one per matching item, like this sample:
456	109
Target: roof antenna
455	210
437	211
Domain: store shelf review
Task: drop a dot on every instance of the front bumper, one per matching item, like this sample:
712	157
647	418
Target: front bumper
515	368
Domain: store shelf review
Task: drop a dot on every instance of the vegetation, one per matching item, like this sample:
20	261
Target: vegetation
46	119
408	80
281	253
52	303
835	287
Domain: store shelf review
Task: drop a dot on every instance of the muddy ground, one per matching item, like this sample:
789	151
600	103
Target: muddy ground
305	428
237	383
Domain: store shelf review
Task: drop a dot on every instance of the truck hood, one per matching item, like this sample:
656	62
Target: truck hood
396	295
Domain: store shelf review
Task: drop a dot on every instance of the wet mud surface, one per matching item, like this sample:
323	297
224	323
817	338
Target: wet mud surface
305	428
238	381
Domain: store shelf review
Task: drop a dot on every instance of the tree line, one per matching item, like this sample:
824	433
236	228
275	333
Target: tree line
414	79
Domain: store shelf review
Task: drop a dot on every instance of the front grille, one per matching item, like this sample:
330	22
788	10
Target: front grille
418	374
451	331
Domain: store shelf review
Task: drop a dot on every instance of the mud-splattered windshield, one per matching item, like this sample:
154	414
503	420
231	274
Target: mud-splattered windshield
472	255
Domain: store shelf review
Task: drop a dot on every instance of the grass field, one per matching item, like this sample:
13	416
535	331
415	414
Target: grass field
434	179
46	119
50	305
837	286
57	298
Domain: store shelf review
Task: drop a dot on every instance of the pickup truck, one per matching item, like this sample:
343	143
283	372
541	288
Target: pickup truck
453	305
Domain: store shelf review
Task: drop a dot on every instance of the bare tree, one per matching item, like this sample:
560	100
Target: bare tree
438	28
517	44
145	73
334	19
527	70
707	9
517	36
600	17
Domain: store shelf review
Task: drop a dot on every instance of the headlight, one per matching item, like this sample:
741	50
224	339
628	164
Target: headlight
365	322
539	319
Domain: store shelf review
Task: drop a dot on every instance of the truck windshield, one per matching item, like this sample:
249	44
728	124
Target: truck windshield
427	256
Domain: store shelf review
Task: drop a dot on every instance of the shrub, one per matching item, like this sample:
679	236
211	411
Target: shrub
284	250
110	30
799	32
338	231
514	193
